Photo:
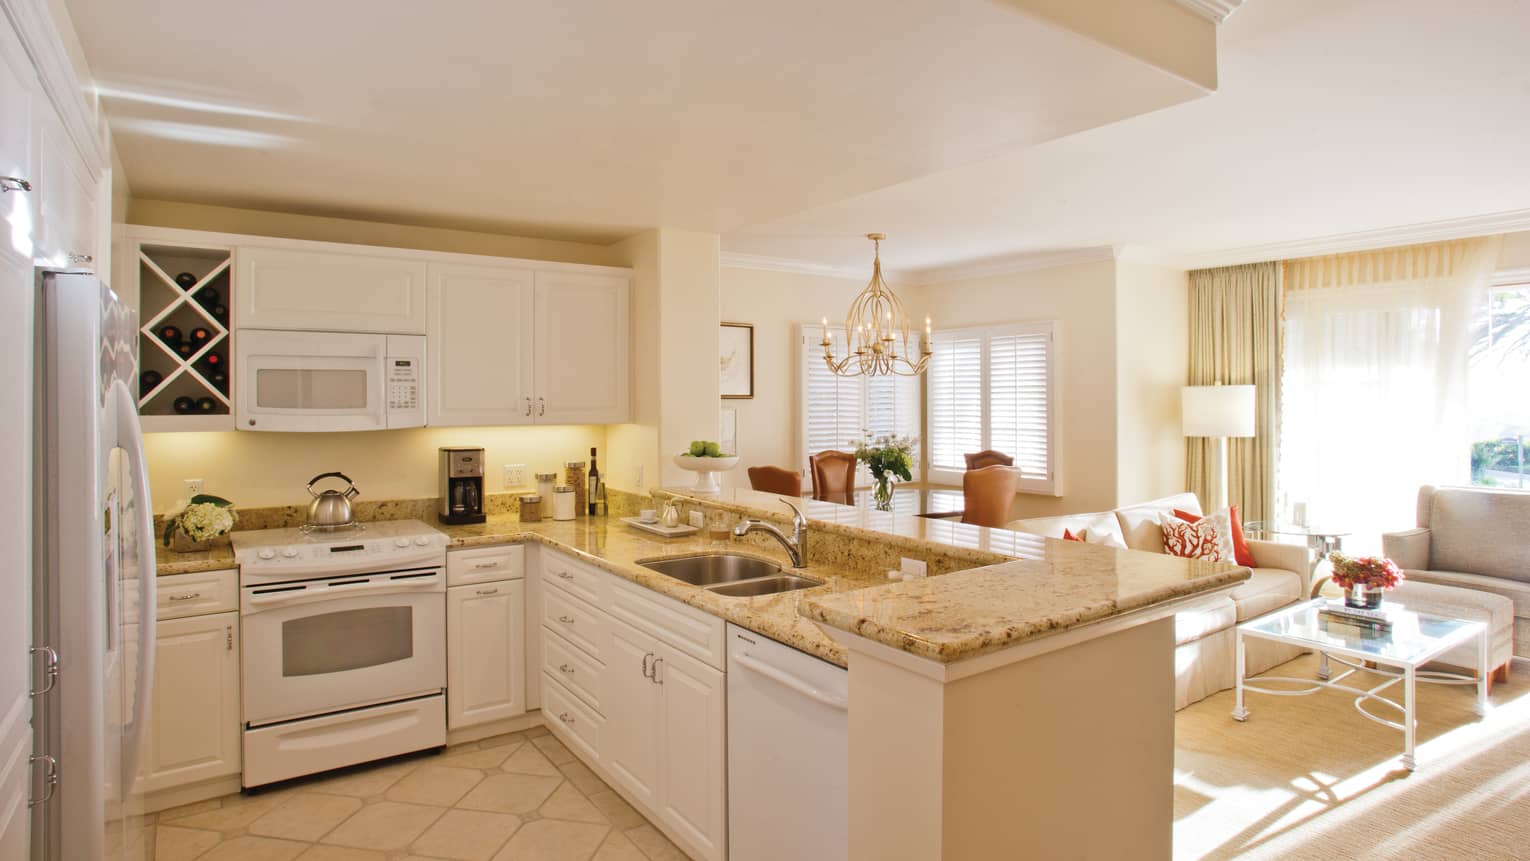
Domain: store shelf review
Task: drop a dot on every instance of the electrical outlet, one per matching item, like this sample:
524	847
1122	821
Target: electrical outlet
193	486
515	475
698	520
914	567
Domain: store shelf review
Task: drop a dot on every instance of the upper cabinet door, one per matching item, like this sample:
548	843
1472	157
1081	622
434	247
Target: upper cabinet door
330	291
581	348
479	345
65	191
17	208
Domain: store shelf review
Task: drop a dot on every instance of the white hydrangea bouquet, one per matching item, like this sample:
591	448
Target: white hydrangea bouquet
203	518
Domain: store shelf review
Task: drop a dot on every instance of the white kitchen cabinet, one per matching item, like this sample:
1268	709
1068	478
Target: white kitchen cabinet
633	703
581	364
65	192
479	345
194	718
485	652
693	730
17	82
347	289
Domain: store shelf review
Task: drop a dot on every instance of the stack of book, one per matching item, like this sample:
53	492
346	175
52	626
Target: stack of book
1375	621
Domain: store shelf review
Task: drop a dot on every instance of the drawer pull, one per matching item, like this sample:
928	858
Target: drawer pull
565	668
566	718
485	565
646	659
50	668
494	591
228	641
564	575
186	597
14	183
655	677
567	620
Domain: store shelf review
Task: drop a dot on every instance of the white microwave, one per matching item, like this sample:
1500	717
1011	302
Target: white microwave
328	381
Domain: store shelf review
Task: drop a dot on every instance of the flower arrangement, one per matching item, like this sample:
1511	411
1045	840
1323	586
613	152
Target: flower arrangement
1364	578
887	456
202	519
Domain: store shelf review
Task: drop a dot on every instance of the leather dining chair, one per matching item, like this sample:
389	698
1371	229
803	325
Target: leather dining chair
987	494
774	479
988	457
833	476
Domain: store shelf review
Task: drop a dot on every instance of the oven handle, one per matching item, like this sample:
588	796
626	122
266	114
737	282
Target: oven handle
382	585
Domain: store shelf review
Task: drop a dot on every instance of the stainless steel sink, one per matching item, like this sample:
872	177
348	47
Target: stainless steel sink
708	569
766	586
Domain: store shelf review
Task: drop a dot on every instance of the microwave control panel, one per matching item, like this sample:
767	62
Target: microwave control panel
403	384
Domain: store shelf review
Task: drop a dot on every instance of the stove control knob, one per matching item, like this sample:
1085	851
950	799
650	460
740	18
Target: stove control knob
267	553
422	541
401	542
289	553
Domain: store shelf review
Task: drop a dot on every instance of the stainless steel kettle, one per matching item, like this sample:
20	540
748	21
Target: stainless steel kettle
331	509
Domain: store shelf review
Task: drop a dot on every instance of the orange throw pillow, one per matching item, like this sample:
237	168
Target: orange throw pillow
1241	550
1069	536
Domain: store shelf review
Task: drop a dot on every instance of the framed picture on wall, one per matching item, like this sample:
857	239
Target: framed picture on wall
735	347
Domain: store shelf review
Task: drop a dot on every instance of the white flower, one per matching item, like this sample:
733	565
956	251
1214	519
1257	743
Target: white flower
205	520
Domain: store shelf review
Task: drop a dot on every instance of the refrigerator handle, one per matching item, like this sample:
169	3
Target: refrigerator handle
130	438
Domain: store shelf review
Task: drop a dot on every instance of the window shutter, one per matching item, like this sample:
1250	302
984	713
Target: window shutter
832	405
955	381
1018	422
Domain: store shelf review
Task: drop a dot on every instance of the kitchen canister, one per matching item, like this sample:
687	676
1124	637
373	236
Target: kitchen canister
573	473
546	481
563	502
531	507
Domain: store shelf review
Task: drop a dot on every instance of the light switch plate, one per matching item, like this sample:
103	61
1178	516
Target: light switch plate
515	475
193	487
698	519
914	567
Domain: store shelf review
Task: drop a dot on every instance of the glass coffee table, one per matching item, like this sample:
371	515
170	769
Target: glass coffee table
1415	639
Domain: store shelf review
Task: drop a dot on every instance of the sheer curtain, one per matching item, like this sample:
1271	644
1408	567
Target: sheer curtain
1375	382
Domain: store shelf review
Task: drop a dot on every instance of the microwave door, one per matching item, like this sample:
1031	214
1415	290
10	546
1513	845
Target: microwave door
309	382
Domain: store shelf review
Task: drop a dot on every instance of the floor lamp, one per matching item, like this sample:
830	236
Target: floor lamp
1218	412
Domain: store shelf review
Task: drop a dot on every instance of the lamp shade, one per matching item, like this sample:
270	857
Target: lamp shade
1218	411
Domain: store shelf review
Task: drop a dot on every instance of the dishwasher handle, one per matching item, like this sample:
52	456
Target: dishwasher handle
755	665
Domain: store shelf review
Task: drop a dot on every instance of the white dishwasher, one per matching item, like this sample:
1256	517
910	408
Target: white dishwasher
788	752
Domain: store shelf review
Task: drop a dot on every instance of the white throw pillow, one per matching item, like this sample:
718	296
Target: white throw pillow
1104	538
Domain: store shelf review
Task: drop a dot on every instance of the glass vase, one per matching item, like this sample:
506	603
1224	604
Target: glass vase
1362	597
882	493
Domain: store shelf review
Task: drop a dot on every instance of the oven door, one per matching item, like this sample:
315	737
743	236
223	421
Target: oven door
318	646
310	381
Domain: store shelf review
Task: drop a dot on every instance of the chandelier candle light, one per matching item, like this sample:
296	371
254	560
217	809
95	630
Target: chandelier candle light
877	331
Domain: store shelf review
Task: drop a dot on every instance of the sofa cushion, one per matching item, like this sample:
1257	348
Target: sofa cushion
1269	589
1494	609
1096	524
1139	523
1204	618
1481	531
1514	590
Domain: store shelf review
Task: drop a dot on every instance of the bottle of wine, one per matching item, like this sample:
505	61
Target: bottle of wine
148	380
206	405
185	405
595	490
220	313
186	280
208	297
213	359
185	349
200	335
171	335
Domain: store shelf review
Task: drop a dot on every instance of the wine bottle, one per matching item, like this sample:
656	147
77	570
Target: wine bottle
185	349
185	405
171	335
148	380
220	313
186	280
219	380
592	504
208	297
200	335
213	359
205	406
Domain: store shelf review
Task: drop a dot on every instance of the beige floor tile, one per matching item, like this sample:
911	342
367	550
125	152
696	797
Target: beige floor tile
189	809
655	845
510	793
616	810
236	812
583	779
182	844
340	853
434	784
368	781
553	749
568	803
538	730
618	848
479	757
529	760
553	840
306	816
467	835
507	738
384	825
248	848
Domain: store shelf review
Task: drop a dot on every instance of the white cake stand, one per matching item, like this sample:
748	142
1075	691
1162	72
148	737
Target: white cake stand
705	469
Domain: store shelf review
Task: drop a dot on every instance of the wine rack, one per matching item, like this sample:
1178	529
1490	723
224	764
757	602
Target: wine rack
185	360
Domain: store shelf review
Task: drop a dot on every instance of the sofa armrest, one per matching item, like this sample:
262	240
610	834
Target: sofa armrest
1288	557
1409	548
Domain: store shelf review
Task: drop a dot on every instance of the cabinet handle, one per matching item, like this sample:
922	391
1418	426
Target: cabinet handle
50	778
228	637
655	676
541	406
647	670
14	183
76	259
494	591
564	575
528	405
483	565
50	668
567	620
565	668
566	718
186	597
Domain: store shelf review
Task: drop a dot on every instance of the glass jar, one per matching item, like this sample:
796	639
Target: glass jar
531	508
546	481
574	470
563	503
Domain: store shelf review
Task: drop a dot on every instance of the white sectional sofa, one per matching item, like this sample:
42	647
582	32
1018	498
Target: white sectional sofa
1204	652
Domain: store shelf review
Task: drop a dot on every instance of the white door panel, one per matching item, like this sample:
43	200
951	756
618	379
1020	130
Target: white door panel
480	337
581	348
485	652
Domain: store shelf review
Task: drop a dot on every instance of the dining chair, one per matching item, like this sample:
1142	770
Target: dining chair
987	494
988	457
774	479
833	476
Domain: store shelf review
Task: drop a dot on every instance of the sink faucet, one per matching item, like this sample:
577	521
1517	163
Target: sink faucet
796	545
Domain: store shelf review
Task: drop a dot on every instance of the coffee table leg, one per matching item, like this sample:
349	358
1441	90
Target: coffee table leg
1409	679
1482	673
1323	671
1241	661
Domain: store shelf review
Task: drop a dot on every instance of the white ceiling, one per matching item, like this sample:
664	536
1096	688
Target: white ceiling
589	120
1333	117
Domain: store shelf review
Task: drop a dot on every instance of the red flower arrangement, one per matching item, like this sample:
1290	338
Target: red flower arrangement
1372	572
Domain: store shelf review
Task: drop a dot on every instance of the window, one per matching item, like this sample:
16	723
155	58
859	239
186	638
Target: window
1499	375
837	410
995	388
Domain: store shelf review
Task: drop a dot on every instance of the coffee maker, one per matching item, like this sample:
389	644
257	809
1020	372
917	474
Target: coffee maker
461	485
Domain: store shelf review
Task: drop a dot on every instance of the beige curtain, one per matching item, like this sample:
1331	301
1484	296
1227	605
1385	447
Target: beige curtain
1235	319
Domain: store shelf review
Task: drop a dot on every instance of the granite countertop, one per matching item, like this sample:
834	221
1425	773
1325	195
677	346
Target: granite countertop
965	614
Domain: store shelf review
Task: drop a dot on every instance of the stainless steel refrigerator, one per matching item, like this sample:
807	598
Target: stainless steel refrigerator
93	584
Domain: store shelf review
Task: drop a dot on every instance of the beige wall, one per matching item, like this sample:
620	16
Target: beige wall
777	304
258	469
635	446
1516	251
1152	356
1081	298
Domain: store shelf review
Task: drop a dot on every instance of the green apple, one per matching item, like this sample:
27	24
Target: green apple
713	450
698	448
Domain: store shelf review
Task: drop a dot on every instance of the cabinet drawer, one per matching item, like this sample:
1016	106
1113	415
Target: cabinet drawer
181	595
566	663
698	634
576	578
483	564
573	619
571	720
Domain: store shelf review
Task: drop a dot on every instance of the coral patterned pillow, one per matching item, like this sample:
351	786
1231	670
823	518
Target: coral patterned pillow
1199	540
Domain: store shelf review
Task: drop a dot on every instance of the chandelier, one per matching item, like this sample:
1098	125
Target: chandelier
877	331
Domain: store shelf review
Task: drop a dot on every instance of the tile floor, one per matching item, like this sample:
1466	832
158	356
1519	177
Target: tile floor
507	798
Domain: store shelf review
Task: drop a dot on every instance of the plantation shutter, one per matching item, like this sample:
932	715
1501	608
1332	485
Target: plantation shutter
1018	408
955	381
892	408
832	406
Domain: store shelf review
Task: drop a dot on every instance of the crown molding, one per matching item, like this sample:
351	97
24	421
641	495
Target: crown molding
1365	240
1511	277
1009	265
55	72
1215	11
765	263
